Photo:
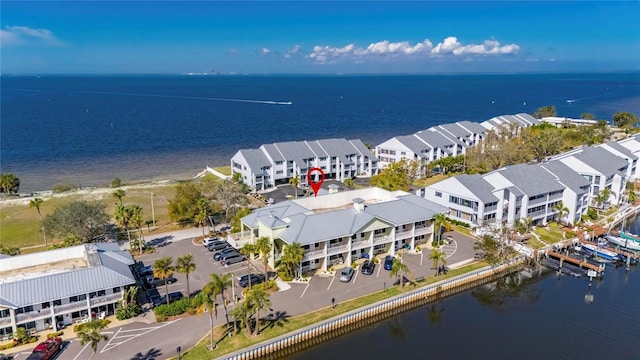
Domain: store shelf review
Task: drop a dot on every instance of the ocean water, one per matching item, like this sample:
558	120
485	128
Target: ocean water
88	130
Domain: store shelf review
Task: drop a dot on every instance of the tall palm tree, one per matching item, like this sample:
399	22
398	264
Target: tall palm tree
261	301
292	255
295	181
201	220
263	246
248	250
136	220
207	303
242	312
90	333
399	269
163	269
119	194
185	265
440	221
123	218
561	209
222	282
437	257
35	203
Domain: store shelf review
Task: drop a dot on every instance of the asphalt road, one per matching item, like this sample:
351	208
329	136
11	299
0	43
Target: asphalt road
144	339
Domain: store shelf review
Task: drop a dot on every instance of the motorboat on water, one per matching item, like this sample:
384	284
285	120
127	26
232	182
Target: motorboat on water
601	253
628	236
623	242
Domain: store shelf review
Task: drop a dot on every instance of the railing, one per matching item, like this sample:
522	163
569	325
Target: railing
313	254
381	239
33	315
5	320
423	231
360	244
418	296
82	304
105	298
337	249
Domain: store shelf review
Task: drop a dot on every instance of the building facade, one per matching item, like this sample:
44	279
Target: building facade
55	288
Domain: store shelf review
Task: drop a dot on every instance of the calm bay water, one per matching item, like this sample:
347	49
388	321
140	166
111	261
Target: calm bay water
539	318
89	130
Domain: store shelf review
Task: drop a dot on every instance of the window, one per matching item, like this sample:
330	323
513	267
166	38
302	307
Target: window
279	172
4	313
57	302
438	194
403	153
324	158
45	305
597	178
354	236
116	290
279	162
78	298
380	231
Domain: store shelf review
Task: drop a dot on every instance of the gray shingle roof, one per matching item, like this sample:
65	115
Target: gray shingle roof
567	176
455	129
414	144
406	209
434	139
531	179
362	149
255	158
273	152
317	149
473	127
109	271
292	150
478	186
313	228
281	210
621	149
601	160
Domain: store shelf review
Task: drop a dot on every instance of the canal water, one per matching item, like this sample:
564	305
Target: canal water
542	317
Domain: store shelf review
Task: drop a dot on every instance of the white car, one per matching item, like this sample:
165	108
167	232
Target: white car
208	241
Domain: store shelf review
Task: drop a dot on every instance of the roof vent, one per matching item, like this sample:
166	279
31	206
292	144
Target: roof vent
358	204
333	188
271	214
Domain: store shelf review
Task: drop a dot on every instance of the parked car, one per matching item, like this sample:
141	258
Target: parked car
255	279
46	350
217	256
209	240
218	245
367	267
232	258
388	262
173	296
346	274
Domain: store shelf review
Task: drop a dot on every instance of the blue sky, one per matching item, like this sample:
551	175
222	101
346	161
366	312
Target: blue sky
318	37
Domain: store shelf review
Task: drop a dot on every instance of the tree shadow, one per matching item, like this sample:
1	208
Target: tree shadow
434	314
151	354
279	318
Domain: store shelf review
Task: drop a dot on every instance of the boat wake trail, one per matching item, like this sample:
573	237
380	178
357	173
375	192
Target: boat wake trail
268	102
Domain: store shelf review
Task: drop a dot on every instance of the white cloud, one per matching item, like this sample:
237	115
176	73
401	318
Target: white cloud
19	35
449	46
294	50
265	51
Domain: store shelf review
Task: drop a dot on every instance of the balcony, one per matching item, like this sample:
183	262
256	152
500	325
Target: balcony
360	244
5	320
32	315
337	249
105	299
423	231
308	255
237	240
78	305
403	235
381	239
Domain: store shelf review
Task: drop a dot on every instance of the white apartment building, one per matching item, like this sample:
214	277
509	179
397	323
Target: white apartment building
342	227
276	163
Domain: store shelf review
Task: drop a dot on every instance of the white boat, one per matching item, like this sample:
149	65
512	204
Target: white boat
623	242
602	253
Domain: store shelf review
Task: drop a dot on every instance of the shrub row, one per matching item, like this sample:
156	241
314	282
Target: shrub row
175	308
80	327
54	334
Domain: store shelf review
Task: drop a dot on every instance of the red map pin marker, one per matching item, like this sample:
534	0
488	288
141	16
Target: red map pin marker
315	185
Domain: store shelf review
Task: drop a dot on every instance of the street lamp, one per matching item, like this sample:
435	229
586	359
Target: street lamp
178	349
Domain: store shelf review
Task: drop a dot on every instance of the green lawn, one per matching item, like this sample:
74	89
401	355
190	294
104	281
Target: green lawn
552	234
534	243
224	170
240	341
428	181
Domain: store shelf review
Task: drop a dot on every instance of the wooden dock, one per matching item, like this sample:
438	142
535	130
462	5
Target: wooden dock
580	263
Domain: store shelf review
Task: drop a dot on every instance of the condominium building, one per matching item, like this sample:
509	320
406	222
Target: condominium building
342	227
276	163
59	287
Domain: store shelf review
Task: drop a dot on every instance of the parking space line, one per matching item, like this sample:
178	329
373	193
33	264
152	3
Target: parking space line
355	277
421	256
379	267
333	278
81	350
306	287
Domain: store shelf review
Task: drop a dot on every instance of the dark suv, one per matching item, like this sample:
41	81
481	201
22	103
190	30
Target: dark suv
388	262
367	267
217	256
218	245
255	279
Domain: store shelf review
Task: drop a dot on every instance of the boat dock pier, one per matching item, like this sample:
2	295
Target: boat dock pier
576	262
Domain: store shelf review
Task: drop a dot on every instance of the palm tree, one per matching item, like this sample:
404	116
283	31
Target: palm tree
136	221
207	302
163	269
438	257
242	312
119	194
35	203
222	282
399	269
123	217
349	183
295	181
201	220
439	221
185	265
261	301
561	209
632	196
263	246
248	250
90	333
292	255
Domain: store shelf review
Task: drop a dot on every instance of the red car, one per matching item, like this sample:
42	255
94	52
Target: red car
46	350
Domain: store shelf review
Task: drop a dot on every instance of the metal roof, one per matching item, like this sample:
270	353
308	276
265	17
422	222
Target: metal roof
363	150
601	160
108	269
255	158
530	179
478	186
273	152
434	139
567	176
621	149
414	144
